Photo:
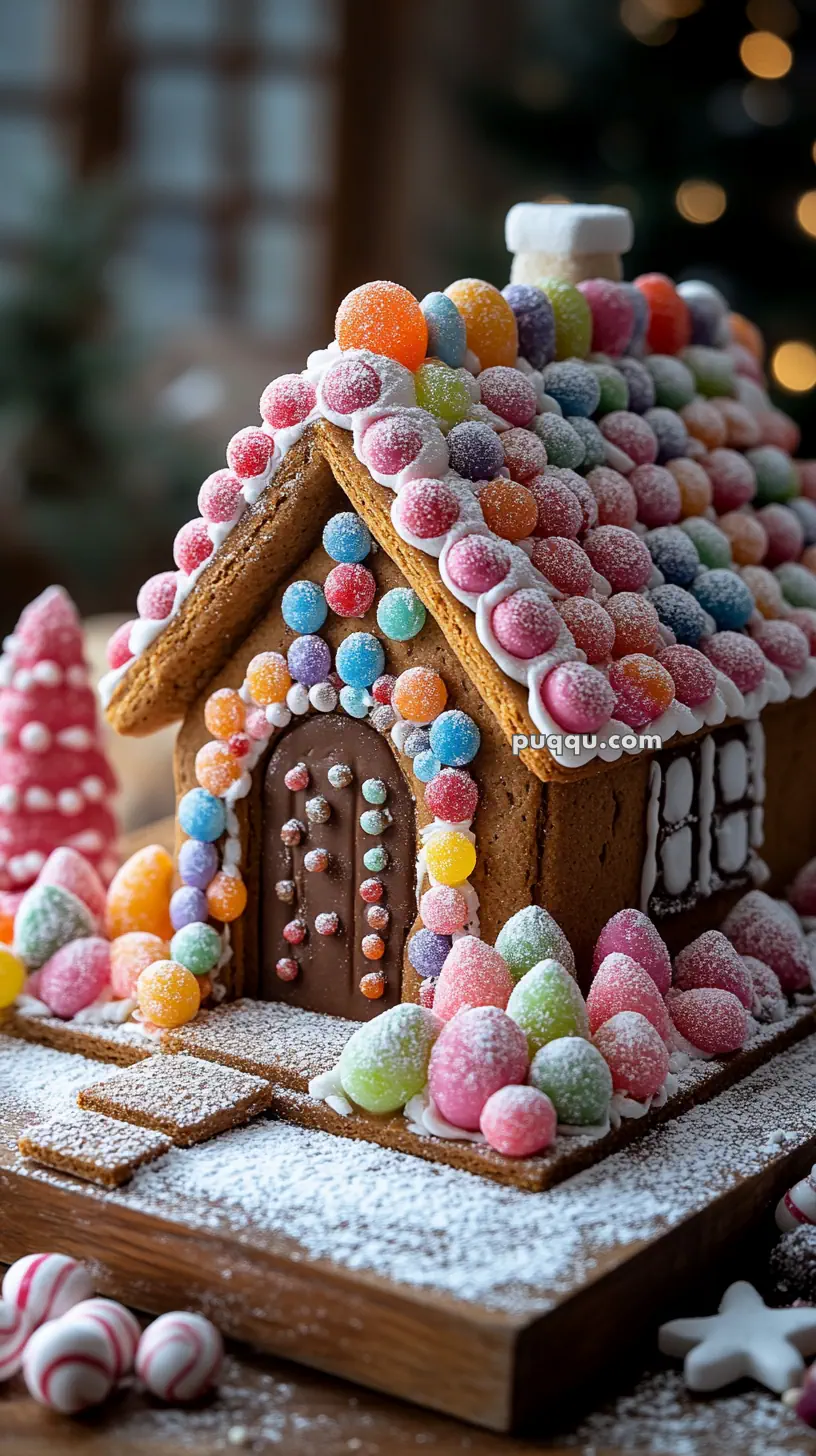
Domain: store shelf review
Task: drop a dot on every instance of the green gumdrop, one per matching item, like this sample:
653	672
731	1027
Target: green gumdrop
673	380
442	392
713	370
614	389
530	936
196	946
576	1078
592	440
573	318
563	445
711	544
47	919
775	475
797	583
546	1004
385	1063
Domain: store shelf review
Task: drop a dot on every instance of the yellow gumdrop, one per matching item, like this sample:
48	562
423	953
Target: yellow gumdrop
168	994
139	894
492	332
450	857
12	976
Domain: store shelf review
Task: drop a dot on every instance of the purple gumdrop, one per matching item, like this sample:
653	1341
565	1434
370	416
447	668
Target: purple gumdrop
640	304
475	450
639	380
197	863
188	905
309	660
428	952
535	321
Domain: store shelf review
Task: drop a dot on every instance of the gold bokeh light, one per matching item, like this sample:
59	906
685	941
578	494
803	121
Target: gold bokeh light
806	213
765	54
794	366
699	201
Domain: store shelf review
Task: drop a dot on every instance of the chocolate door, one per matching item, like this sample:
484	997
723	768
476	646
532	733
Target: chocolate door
315	837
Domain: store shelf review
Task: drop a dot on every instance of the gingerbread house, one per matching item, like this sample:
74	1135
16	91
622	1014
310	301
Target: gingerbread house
510	594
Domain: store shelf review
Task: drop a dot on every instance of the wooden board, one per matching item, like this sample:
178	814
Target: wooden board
484	1302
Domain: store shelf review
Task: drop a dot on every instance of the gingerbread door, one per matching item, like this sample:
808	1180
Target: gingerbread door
349	804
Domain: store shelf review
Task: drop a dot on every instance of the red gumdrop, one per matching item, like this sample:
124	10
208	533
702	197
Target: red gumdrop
452	795
637	625
118	650
156	596
508	393
591	626
564	563
620	556
620	984
219	498
635	935
75	975
349	589
349	385
192	546
287	401
524	454
802	893
669	327
737	657
616	500
783	643
691	672
658	495
583	494
427	508
391	443
559	510
805	619
477	563
631	434
786	536
711	962
713	1021
635	1054
525	624
474	974
249	452
758	926
382	689
613	315
733	480
71	871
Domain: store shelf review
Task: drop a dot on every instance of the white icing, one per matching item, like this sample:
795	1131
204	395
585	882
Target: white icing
679	791
706	805
755	734
732	769
328	1088
732	842
423	1117
648	876
676	860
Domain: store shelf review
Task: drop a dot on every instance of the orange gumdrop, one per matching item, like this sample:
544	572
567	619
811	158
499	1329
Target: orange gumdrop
139	894
268	678
637	625
744	332
168	994
742	430
131	954
385	318
490	323
765	590
695	486
419	695
226	897
748	537
705	423
224	713
216	768
509	509
372	985
808	558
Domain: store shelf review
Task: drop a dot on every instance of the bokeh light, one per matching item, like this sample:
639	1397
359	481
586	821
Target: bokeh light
806	212
765	54
699	201
646	26
794	366
766	103
780	16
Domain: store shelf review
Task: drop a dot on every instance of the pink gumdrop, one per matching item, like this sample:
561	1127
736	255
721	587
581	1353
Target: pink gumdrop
768	1001
760	927
635	935
657	494
583	494
287	401
559	509
693	675
349	385
620	556
783	643
525	624
257	724
391	443
220	498
75	975
732	477
525	456
802	893
711	962
617	502
474	974
519	1121
475	1054
427	508
71	871
578	697
737	657
564	564
786	536
805	619
620	984
635	1054
192	546
118	650
592	628
249	452
444	910
713	1021
613	315
477	563
508	393
632	435
157	596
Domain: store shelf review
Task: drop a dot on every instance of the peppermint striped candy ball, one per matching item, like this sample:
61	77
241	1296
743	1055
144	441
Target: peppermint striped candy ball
798	1205
179	1356
15	1328
44	1286
69	1364
121	1327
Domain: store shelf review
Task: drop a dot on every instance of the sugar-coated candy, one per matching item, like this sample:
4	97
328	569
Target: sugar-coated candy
620	556
294	932
348	385
673	553
669	327
382	688
798	584
455	738
574	386
805	619
518	1121
639	382
393	442
346	538
450	857
44	1286
475	450
680	613
744	332
525	623
257	723
70	869
48	917
287	401
705	422
224	713
15	1329
192	546
417	741
371	891
783	643
714	1021
308	659
574	1075
617	503
472	974
219	499
738	657
547	1003
374	791
355	701
349	589
268	680
761	927
725	597
156	596
197	946
427	952
168	994
802	893
452	796
621	984
636	623
525	455
630	434
805	510
563	444
558	508
447	338
287	969
594	444
490	323
635	1054
573	318
775	474
711	962
419	695
509	394
443	392
179	1356
426	766
657	494
200	815
535	322
583	494
786	537
741	426
477	563
386	319
385	1063
634	934
670	432
12	979
643	689
444	909
428	508
713	370
707	309
563	563
673	381
69	1365
509	509
249	452
216	768
297	778
117	651
591	626
130	954
328	923
226	897
75	975
121	1327
400	614
316	861
285	891
613	314
477	1052
747	537
578	697
372	985
375	821
304	606
710	543
360	659
693	675
694	485
530	936
733	481
378	917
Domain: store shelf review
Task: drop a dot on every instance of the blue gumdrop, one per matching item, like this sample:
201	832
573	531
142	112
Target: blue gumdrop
637	376
455	738
673	553
400	614
535	321
725	597
201	815
427	766
670	432
360	659
355	701
304	606
346	537
447	335
574	386
678	610
428	952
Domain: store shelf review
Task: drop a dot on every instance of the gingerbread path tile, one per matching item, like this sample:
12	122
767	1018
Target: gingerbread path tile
88	1145
282	1043
184	1097
123	1043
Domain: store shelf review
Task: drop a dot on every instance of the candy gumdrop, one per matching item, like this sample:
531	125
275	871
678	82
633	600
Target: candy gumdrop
518	1121
620	984
447	338
386	319
669	327
613	315
130	954
490	323
711	962
691	672
643	689
573	318
574	1075
476	1053
535	321
620	556
168	994
592	628
802	893
474	974
578	697
714	1021
72	871
12	977
75	975
759	926
635	1054
48	918
635	935
547	1003
530	936
444	910
139	894
385	1063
